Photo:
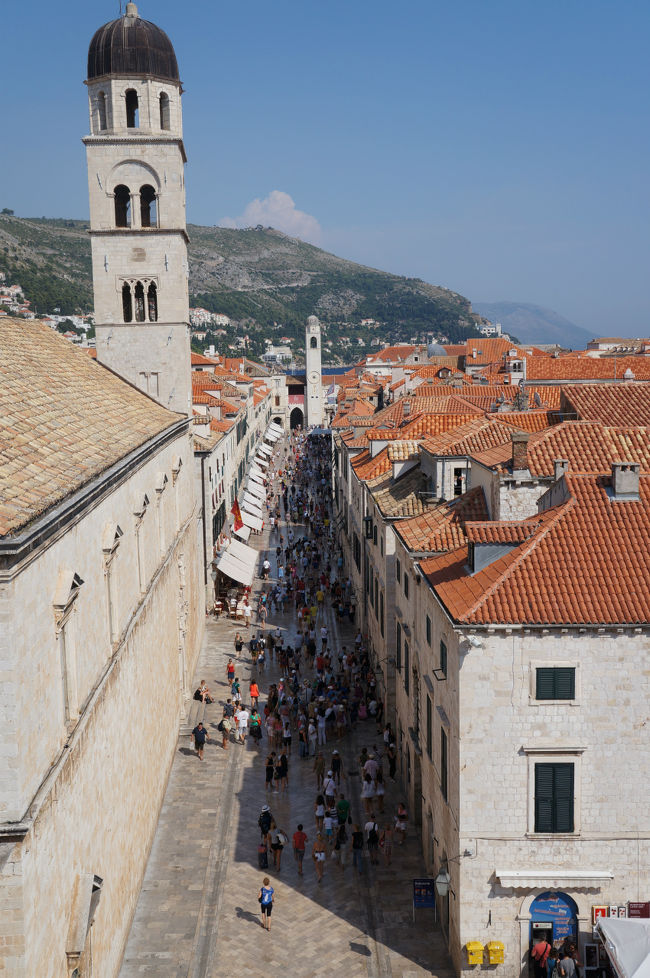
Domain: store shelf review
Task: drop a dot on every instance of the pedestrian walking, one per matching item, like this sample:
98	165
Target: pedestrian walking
225	726
401	822
299	843
386	843
230	672
319	811
357	848
255	725
265	820
200	735
254	693
265	897
239	644
372	835
319	770
318	854
243	716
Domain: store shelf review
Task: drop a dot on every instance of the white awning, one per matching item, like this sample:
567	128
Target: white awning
252	502
254	522
276	428
271	435
551	879
256	490
261	461
229	565
243	532
247	555
265	449
628	945
255	475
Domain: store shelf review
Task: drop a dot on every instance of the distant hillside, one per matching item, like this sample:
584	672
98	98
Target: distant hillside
534	324
259	277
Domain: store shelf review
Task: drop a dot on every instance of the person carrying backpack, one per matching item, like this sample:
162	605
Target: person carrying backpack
539	954
372	835
265	821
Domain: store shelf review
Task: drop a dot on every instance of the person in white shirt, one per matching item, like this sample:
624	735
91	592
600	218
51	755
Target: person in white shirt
242	717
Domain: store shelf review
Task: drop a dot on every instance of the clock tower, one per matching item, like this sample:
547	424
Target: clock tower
314	383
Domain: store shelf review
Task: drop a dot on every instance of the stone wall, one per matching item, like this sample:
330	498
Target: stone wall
90	789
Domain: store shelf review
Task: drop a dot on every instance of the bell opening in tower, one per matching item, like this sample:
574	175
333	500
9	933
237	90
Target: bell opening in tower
152	302
148	214
122	196
127	303
131	109
138	295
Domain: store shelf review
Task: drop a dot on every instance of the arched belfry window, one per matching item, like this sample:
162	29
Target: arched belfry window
148	216
131	109
313	343
138	295
122	206
164	110
127	303
102	118
152	302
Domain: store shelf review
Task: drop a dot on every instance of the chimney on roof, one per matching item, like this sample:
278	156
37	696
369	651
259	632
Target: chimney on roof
625	481
520	452
560	467
407	408
474	354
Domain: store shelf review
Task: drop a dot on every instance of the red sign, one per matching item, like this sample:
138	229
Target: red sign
637	910
236	512
597	912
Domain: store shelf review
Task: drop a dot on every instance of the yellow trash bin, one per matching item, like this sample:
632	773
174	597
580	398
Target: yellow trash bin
496	952
474	952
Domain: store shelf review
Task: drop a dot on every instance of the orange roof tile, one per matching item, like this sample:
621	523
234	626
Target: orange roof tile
614	404
586	563
586	368
441	529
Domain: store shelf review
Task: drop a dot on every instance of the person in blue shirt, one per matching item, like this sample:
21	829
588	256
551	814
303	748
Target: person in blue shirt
265	898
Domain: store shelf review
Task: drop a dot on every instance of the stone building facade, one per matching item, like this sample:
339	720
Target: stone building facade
102	620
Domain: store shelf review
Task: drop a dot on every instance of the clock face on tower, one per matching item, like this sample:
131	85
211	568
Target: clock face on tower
314	377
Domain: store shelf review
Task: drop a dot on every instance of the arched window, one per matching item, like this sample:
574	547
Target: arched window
127	306
164	110
313	343
102	120
152	302
131	108
148	216
138	294
122	206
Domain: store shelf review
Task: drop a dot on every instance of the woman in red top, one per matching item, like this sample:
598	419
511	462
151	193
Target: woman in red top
254	693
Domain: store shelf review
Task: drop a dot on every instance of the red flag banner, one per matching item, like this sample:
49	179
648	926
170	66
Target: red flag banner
236	512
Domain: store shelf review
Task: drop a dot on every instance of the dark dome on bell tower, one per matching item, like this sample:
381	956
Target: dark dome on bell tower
131	46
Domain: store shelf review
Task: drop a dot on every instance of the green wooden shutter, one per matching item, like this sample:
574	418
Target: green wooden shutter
565	684
398	647
443	658
545	684
563	792
443	763
554	797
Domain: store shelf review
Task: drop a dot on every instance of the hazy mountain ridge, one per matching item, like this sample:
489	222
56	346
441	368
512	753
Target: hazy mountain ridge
257	275
534	324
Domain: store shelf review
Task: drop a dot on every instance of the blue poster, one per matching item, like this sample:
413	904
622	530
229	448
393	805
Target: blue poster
558	910
424	893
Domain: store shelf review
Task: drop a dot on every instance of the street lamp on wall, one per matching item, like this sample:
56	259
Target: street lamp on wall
442	883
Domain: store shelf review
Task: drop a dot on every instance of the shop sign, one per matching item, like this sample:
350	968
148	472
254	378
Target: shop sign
638	910
424	893
552	907
596	912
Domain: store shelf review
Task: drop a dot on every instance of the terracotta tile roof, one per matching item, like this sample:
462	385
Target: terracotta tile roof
455	349
392	353
198	360
530	420
366	467
587	563
202	397
400	451
223	426
589	447
64	419
420	426
443	403
441	528
477	435
431	369
403	497
586	368
489	349
501	531
614	404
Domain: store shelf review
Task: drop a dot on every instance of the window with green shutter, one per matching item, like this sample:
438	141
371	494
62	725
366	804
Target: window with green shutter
407	666
555	683
429	728
428	628
398	648
554	797
443	658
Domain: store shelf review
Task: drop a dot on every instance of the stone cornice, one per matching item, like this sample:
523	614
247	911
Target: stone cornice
112	232
113	139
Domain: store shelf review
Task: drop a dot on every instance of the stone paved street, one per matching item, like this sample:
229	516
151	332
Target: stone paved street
198	914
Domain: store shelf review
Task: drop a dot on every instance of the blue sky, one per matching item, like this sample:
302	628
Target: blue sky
498	148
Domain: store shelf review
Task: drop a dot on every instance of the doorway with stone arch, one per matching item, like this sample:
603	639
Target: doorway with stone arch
296	418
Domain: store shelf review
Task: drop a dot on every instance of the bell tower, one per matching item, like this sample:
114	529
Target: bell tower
314	383
136	185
